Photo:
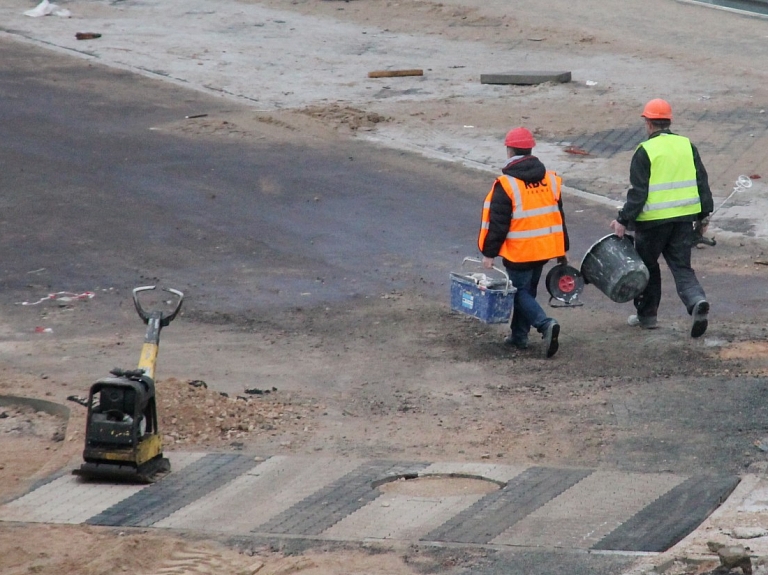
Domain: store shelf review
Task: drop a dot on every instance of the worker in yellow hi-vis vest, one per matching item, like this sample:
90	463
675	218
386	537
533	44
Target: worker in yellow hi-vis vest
668	199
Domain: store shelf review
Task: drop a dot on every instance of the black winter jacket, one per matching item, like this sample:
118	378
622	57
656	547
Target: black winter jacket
528	169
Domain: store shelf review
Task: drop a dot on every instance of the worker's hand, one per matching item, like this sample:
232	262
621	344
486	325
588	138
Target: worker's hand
703	225
487	263
563	260
618	228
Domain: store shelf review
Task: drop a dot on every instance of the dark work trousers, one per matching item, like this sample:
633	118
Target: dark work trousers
674	241
526	311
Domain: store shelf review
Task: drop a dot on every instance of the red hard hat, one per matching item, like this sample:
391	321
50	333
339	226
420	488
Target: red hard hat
519	138
657	109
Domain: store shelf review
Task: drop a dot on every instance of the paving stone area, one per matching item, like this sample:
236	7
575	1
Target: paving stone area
718	136
340	499
146	507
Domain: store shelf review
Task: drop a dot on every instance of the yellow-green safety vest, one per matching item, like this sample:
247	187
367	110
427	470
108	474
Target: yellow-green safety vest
672	188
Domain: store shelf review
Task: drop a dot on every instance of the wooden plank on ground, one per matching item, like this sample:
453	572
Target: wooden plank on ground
394	73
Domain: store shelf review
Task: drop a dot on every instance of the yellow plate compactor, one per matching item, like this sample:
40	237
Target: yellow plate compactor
122	440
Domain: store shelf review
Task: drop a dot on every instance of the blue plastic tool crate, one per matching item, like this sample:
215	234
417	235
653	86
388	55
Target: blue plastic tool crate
490	304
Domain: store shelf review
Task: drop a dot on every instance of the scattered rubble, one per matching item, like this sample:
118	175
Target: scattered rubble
193	415
24	421
748	532
735	556
353	118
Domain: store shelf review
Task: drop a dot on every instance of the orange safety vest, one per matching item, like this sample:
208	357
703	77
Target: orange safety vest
536	230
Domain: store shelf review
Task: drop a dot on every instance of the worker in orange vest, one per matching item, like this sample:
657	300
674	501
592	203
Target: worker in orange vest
523	222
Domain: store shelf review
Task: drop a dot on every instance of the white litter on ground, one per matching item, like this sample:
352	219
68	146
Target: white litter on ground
45	8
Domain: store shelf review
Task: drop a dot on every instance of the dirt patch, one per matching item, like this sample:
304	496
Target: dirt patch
28	438
753	350
348	117
19	421
52	550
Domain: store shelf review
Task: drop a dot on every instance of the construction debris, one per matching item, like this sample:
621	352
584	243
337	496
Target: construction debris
191	414
733	556
528	78
576	151
394	73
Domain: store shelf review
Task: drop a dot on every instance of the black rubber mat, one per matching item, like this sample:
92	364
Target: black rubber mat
160	499
671	517
498	511
331	504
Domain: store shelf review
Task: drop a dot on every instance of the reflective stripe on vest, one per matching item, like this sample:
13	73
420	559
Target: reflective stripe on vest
485	219
535	233
672	187
536	230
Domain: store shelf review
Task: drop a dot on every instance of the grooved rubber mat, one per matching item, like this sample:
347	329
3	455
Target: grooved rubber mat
672	516
339	499
495	512
148	506
330	504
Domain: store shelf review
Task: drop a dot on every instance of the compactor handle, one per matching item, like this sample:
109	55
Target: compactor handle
165	318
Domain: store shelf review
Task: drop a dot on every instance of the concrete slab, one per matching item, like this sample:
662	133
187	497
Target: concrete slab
527	78
399	517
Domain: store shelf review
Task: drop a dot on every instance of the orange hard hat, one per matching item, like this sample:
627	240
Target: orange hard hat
519	138
657	109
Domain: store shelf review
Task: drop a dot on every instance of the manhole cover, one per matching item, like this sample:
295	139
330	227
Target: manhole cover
439	486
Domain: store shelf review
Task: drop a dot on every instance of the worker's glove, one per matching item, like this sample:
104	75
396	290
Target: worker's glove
699	229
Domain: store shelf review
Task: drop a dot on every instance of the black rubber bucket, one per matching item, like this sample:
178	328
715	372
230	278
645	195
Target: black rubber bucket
614	267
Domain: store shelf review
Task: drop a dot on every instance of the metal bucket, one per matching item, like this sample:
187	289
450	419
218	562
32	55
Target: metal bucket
613	265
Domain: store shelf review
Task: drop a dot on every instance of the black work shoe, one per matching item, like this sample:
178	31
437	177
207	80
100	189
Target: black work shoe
700	322
644	322
550	338
510	341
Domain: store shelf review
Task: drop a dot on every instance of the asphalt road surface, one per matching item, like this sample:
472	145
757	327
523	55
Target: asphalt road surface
97	195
